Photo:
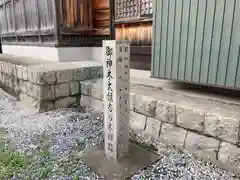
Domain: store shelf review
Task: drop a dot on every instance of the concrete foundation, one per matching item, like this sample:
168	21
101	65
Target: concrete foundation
45	86
63	54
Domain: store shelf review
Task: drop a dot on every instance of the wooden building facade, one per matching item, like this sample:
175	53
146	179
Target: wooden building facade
133	21
79	23
53	22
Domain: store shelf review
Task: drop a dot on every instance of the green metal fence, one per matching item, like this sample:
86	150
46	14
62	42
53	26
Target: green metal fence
197	41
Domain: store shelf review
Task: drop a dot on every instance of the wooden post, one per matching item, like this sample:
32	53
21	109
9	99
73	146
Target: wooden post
112	19
55	5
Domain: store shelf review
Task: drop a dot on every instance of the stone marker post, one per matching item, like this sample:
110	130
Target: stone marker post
118	159
116	86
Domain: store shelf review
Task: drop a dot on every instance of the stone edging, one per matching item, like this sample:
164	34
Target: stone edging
205	135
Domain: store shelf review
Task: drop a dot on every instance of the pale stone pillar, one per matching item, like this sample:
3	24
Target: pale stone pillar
116	62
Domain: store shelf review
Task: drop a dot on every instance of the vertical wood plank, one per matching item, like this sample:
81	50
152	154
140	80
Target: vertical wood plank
177	38
207	40
6	18
199	40
55	5
24	15
226	42
233	59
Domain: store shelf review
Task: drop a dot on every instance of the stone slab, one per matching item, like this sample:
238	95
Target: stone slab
137	159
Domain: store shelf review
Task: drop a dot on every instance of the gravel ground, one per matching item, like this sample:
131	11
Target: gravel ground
56	141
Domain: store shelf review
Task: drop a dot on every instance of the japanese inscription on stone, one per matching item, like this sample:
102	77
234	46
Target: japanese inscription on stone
116	97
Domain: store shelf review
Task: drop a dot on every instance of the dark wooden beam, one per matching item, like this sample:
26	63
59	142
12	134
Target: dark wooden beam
14	18
112	19
29	33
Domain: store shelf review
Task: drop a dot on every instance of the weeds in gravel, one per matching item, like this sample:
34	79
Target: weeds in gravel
11	163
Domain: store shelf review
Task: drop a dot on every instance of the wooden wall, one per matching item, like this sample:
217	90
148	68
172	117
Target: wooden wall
140	35
26	15
101	16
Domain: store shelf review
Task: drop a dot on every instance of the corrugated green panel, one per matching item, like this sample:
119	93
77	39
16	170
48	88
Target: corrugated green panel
216	41
170	33
207	42
155	39
184	39
233	59
197	58
237	77
200	41
164	33
191	39
226	42
177	34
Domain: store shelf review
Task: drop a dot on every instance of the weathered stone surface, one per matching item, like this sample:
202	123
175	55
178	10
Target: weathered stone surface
97	105
97	89
201	146
74	88
44	106
190	119
224	128
96	72
34	104
85	101
43	92
65	102
137	122
24	73
132	101
85	87
145	105
81	74
10	69
62	90
153	128
40	77
229	154
172	135
166	112
22	86
19	72
64	76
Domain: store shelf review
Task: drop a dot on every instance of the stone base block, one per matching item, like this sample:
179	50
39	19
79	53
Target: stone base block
137	159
